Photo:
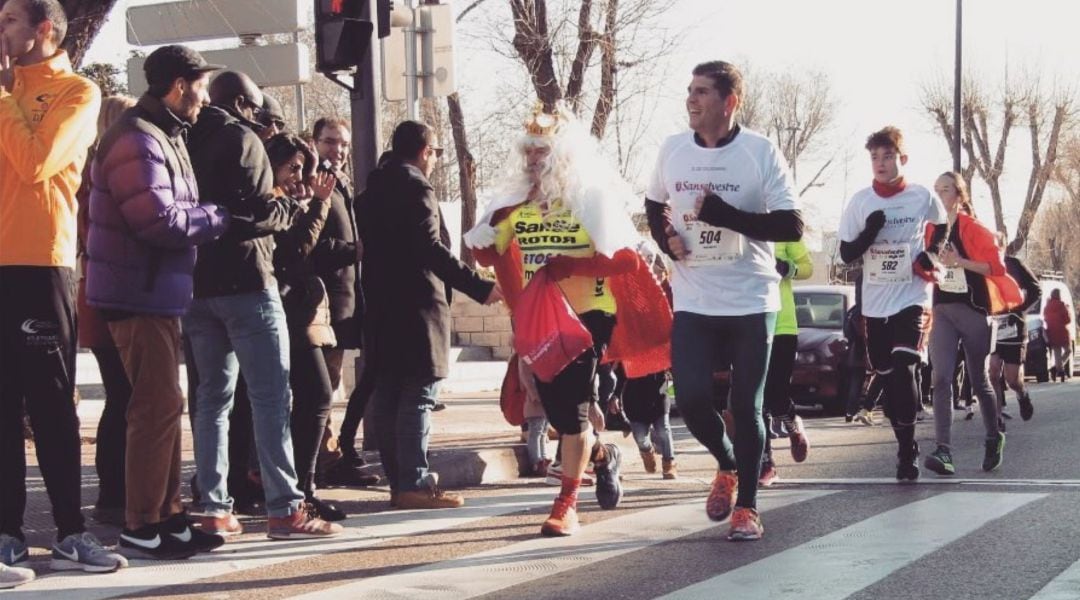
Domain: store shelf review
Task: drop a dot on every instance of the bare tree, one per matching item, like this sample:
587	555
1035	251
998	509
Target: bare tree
794	108
85	18
1047	114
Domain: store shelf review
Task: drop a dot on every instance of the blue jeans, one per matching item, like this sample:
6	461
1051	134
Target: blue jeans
537	446
243	332
402	413
661	441
701	345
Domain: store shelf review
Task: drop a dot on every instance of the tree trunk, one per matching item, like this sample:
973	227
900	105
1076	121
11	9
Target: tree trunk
586	43
1041	168
533	44
466	173
85	18
608	68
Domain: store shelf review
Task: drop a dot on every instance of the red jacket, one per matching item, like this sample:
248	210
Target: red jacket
980	246
642	335
1057	319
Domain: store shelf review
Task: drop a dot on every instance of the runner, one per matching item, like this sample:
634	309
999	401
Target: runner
1007	361
973	286
720	194
884	225
563	209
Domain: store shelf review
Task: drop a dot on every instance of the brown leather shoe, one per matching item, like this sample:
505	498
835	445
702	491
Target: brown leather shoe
648	459
223	525
671	470
301	525
428	497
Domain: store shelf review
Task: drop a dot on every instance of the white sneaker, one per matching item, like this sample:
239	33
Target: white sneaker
554	475
14	576
865	417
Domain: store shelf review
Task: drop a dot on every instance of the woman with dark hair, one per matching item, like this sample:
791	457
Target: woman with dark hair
972	287
307	309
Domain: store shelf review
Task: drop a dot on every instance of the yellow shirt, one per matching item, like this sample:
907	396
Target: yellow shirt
47	123
558	232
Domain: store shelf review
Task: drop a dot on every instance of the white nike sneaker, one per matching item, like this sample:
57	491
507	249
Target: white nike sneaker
14	576
83	552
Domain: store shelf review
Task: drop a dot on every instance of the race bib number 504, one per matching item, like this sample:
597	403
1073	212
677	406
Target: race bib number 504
888	263
708	245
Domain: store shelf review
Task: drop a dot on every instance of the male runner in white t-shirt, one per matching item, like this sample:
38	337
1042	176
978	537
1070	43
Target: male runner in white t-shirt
886	225
719	196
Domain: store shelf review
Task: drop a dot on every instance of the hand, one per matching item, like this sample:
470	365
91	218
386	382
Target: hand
596	417
298	191
675	244
7	71
559	267
482	236
322	184
875	221
495	295
783	267
949	257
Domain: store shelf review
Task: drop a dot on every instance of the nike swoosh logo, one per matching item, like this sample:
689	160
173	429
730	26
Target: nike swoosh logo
244	218
184	537
18	557
150	544
73	557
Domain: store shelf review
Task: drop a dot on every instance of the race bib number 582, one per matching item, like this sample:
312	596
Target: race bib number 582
888	263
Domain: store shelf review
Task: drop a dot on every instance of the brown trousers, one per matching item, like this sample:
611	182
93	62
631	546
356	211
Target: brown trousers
149	346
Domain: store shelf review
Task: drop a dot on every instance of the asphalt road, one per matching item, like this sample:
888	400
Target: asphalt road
837	526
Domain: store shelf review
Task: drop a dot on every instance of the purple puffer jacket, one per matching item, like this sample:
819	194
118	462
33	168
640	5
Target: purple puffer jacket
145	216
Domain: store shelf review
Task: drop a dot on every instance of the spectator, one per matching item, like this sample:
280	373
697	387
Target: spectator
1058	339
47	115
145	221
94	335
237	320
307	309
271	119
408	273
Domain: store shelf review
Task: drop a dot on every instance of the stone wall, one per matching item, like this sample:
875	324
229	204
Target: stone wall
483	330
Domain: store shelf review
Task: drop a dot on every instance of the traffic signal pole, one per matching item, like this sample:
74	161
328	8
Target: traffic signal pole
364	97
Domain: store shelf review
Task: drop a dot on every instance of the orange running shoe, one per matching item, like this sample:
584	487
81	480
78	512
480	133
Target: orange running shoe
563	520
722	497
745	525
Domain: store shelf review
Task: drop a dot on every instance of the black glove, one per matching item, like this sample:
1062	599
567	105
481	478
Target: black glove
715	211
923	260
783	267
875	221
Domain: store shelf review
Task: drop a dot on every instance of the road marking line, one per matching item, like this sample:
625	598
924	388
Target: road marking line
932	481
1065	586
503	567
361	531
836	565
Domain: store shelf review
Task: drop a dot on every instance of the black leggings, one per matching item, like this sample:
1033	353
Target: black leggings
112	428
778	378
566	398
354	411
312	395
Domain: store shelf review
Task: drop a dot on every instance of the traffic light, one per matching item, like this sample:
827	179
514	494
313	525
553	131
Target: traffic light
342	34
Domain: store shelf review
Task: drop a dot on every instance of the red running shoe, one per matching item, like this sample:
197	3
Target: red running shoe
563	520
722	497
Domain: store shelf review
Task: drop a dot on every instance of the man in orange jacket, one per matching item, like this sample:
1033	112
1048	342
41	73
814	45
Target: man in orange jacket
47	122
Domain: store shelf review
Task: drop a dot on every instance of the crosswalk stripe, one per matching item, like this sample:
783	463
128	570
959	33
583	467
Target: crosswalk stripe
1066	586
934	481
361	531
500	568
868	551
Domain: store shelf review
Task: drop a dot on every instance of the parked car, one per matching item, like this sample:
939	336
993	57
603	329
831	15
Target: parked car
819	374
1038	362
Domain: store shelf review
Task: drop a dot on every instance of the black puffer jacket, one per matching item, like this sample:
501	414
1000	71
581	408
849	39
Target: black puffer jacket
233	171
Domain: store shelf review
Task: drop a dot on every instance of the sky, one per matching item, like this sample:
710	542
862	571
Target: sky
877	54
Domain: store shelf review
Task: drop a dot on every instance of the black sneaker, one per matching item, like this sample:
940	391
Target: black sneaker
325	510
940	462
907	466
608	487
150	543
352	458
1027	410
345	476
994	453
179	526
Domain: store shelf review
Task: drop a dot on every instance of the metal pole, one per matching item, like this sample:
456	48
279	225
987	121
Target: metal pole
411	92
367	137
301	117
957	83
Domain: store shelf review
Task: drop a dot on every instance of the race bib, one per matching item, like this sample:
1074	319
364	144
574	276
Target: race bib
710	246
888	263
953	281
1007	329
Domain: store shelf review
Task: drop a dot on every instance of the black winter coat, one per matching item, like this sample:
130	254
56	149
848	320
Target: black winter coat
408	272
